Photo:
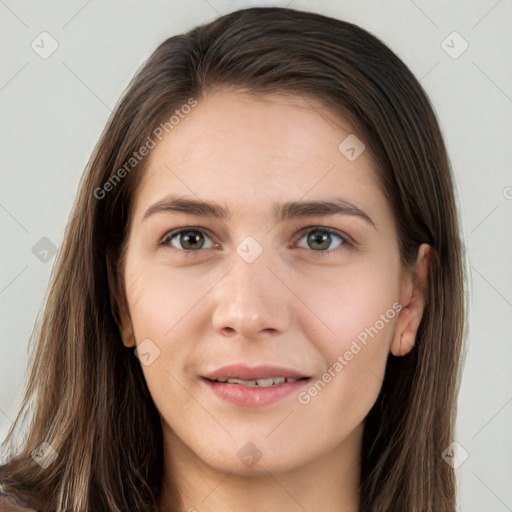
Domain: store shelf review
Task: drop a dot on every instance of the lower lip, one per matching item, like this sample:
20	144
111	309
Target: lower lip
254	396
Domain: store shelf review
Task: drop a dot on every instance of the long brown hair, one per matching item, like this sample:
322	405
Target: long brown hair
89	398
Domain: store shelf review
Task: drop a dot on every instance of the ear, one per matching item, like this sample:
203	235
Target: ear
413	291
126	329
118	302
123	321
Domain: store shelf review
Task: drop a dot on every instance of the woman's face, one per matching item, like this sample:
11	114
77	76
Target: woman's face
293	271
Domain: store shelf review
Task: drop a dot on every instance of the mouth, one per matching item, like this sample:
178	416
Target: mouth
259	383
254	386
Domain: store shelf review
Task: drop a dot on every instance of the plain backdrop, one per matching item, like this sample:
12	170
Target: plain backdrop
54	107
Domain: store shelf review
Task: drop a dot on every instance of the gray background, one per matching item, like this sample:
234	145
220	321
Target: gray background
53	110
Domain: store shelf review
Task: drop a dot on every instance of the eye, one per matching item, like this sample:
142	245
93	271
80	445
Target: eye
320	239
189	239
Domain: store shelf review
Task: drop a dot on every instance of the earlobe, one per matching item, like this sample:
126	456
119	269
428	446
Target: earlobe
408	322
127	335
412	298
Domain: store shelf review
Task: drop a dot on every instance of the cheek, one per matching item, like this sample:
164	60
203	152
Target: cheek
353	302
355	356
354	367
166	309
159	300
159	305
358	310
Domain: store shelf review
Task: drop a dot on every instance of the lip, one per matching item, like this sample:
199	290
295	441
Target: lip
244	396
244	372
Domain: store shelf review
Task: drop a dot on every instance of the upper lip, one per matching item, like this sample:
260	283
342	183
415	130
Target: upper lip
243	372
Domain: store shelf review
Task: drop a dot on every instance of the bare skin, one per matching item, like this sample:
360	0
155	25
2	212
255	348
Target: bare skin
300	304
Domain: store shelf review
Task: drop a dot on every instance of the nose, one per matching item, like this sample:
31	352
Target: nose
250	301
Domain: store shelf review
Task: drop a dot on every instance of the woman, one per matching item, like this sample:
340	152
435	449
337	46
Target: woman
258	303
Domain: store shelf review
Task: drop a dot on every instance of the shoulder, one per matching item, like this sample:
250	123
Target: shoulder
10	503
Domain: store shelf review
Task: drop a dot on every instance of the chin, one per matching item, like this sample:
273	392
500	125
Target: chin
253	459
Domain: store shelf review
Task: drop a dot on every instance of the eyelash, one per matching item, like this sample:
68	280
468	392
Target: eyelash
346	242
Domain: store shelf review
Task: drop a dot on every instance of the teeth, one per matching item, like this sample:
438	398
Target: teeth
263	383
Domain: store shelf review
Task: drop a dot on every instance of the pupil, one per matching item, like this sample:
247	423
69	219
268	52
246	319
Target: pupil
319	237
188	237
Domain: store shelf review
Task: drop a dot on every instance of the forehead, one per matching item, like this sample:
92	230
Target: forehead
245	149
283	125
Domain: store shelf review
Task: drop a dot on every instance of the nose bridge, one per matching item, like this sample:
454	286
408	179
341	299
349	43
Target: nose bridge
249	299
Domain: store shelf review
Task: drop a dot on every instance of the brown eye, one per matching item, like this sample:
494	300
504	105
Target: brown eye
186	240
191	240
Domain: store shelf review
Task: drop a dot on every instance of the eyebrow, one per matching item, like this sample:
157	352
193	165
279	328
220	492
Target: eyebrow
281	211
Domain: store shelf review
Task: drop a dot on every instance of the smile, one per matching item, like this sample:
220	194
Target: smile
262	383
254	393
